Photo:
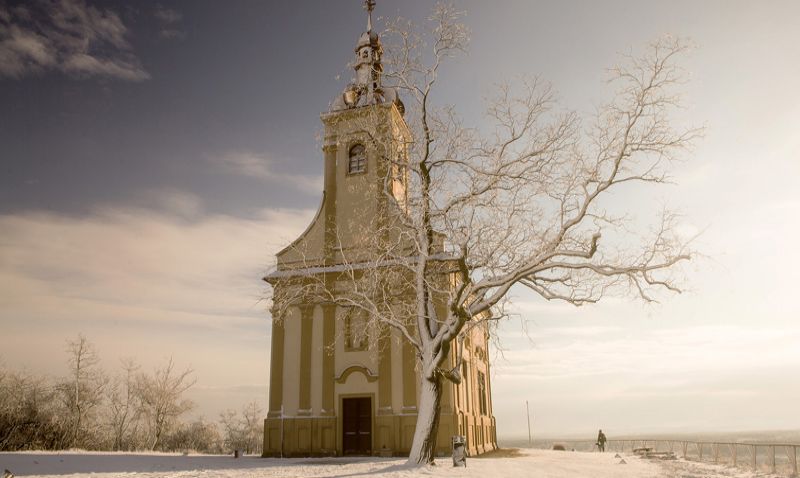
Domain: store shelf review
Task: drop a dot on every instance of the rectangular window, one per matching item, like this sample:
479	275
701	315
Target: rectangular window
355	331
358	159
482	392
465	381
399	182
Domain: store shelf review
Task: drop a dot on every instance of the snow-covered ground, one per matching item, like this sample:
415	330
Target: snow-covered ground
531	463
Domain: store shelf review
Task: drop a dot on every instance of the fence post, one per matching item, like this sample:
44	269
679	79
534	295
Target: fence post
733	448
772	458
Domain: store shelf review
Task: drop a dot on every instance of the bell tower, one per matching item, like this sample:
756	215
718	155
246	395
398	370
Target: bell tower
365	149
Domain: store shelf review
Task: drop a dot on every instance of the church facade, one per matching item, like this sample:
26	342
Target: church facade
334	389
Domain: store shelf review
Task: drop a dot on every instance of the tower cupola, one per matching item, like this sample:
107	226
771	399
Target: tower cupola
366	88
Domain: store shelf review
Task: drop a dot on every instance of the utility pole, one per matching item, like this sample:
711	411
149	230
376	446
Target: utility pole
527	410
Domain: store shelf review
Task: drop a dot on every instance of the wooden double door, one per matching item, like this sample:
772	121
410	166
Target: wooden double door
357	426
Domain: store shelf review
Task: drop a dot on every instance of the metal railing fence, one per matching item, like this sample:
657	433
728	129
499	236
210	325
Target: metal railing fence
776	458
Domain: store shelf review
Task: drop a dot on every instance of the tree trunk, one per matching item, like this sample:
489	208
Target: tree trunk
423	449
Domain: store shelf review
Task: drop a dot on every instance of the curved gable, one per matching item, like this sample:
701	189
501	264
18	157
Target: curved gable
308	249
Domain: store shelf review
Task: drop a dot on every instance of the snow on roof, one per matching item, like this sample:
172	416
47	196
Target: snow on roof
314	270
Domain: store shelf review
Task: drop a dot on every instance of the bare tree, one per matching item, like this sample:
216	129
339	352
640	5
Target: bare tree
161	401
232	431
82	392
198	435
254	427
520	203
28	417
134	411
243	430
123	407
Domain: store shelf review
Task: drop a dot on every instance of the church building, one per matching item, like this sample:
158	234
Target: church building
334	390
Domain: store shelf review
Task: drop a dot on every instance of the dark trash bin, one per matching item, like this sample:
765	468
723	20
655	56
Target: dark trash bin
459	451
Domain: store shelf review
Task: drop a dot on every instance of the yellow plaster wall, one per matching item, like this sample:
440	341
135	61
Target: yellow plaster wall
344	359
397	371
308	248
356	201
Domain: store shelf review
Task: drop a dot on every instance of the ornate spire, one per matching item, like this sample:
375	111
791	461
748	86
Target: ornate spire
366	88
369	5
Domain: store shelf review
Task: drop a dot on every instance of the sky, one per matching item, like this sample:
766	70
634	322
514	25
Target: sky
155	156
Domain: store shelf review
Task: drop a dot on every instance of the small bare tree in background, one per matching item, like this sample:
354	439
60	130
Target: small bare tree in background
243	430
253	422
123	406
28	413
520	203
198	435
134	411
161	402
82	392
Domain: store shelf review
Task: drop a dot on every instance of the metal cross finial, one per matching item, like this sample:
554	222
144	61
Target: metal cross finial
369	5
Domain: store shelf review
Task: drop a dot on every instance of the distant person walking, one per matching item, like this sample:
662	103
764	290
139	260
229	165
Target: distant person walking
601	441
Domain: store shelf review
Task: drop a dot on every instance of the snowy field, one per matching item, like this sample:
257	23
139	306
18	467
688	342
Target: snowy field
531	463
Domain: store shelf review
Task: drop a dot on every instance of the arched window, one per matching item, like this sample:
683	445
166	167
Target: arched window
358	159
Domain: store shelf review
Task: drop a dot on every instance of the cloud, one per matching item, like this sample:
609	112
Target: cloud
691	352
247	164
140	265
170	21
147	284
68	36
167	15
180	203
259	166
